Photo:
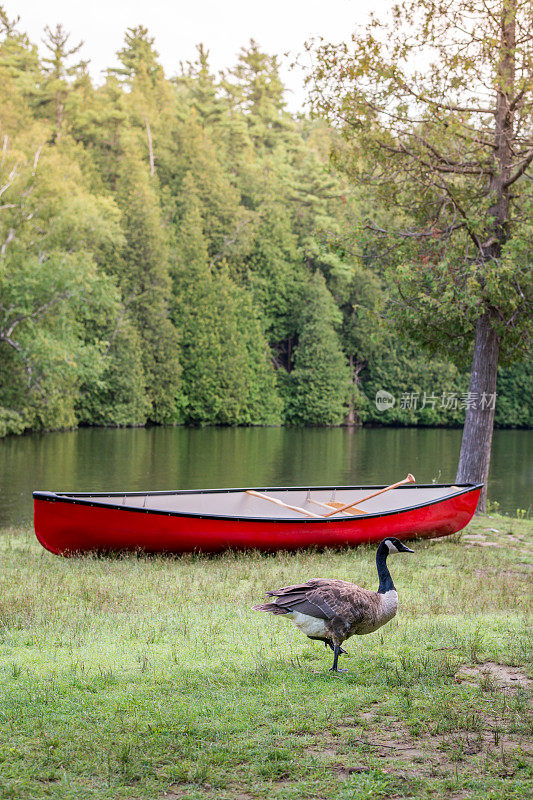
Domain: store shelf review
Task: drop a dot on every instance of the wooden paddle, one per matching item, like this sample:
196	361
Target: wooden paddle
410	479
281	503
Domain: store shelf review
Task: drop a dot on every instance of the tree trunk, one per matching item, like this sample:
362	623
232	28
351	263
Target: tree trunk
474	460
59	118
349	419
150	147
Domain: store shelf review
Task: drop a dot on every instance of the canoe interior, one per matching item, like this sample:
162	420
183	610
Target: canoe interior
236	503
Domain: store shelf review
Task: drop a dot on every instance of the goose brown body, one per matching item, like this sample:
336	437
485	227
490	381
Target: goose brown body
333	610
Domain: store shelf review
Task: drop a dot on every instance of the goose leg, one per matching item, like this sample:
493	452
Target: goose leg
329	643
336	652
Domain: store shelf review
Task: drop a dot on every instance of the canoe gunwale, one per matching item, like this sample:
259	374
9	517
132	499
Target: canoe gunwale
81	499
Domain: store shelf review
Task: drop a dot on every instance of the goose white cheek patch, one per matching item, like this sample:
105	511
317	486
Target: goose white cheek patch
392	547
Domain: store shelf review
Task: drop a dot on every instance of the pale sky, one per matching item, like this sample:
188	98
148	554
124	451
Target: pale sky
223	26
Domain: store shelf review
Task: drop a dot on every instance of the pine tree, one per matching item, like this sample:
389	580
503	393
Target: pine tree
255	89
100	121
58	75
225	223
139	58
199	89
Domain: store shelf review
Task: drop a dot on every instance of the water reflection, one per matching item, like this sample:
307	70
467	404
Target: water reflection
167	458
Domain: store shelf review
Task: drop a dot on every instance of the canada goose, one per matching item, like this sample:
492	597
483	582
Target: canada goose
334	610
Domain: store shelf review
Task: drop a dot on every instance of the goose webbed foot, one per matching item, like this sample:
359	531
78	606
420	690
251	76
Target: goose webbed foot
336	653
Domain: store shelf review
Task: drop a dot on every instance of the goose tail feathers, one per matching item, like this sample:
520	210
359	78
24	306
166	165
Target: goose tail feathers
273	608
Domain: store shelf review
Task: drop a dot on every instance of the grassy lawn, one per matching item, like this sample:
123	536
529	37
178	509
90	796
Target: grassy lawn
152	677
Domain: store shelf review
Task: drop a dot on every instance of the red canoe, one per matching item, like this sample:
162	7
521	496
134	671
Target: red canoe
212	520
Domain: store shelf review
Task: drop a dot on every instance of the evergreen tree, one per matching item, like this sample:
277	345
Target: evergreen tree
276	276
319	383
228	377
194	224
225	223
199	89
58	82
149	98
101	123
254	88
19	59
139	58
144	278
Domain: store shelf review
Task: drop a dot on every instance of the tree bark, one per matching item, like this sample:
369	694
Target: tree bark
474	461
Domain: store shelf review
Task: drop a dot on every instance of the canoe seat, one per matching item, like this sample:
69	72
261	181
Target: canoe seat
334	504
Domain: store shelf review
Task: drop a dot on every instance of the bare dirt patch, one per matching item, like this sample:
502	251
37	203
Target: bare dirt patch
501	675
427	755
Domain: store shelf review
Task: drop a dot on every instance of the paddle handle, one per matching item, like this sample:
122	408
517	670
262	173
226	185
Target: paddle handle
410	479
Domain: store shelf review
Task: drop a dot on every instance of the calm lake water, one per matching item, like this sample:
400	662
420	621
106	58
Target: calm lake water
176	458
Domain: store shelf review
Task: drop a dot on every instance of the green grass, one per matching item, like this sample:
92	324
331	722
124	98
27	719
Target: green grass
152	677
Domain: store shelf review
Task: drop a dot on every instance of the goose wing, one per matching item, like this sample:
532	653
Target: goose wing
306	598
350	603
330	599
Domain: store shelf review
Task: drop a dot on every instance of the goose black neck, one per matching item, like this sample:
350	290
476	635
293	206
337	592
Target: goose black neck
385	579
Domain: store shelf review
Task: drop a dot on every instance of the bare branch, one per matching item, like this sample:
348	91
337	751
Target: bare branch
446	106
36	313
228	241
26	361
520	171
10	179
9	238
451	166
36	159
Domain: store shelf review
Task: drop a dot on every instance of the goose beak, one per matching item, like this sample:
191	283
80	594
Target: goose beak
408	549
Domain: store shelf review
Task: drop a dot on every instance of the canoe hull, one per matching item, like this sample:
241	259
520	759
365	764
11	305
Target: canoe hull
65	527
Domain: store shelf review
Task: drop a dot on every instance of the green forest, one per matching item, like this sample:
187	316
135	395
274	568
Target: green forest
181	250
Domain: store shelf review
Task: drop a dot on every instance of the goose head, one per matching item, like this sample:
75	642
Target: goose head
394	545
